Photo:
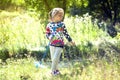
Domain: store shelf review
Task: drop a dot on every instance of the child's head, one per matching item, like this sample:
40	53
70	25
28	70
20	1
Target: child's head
56	14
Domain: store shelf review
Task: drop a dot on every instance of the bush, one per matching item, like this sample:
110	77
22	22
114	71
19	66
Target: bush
4	54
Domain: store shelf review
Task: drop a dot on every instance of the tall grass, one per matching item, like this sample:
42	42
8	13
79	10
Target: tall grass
26	31
20	31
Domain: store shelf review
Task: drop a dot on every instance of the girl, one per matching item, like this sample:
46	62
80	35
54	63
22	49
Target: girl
55	31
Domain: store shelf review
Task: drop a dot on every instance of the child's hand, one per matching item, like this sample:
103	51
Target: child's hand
73	43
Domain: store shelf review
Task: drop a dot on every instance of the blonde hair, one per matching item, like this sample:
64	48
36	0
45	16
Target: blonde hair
55	11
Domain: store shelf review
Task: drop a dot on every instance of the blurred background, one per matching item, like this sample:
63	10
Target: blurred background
93	25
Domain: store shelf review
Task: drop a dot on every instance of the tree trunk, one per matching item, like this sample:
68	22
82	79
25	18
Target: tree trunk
47	5
115	9
64	7
106	8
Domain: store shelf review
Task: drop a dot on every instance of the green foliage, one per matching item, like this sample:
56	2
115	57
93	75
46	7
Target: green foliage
17	2
106	8
25	32
20	31
109	9
4	4
43	7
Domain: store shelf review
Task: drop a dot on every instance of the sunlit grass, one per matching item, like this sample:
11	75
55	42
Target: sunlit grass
24	69
21	31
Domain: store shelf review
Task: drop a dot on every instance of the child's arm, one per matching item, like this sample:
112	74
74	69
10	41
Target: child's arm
67	35
48	33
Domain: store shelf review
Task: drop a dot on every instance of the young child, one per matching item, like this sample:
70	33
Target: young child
55	31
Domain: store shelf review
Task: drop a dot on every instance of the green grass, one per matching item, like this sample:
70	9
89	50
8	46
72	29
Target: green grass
24	69
25	31
20	31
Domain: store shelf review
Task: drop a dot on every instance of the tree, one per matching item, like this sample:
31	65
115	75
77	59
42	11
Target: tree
108	8
4	4
44	6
